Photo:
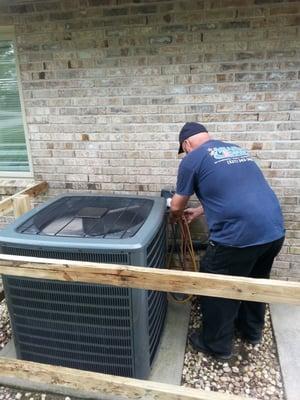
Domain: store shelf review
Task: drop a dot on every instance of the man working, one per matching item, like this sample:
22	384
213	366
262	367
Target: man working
246	230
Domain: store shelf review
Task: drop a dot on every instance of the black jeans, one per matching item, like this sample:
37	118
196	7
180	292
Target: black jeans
220	316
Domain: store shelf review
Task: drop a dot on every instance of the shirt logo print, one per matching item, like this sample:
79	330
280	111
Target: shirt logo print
227	153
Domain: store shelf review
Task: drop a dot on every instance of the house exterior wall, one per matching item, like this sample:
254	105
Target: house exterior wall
107	85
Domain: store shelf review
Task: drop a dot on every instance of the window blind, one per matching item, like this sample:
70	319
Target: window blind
13	151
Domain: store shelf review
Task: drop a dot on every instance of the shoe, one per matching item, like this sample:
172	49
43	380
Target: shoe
254	342
196	341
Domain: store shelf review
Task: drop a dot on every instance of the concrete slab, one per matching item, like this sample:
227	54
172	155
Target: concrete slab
286	325
9	350
168	363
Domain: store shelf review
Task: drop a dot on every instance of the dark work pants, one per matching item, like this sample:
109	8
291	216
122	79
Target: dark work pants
220	316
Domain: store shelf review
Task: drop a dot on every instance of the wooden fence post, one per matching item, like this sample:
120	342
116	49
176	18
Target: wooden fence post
21	204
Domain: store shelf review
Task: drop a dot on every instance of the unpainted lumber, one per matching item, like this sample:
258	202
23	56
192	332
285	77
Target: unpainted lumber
6	205
94	385
195	283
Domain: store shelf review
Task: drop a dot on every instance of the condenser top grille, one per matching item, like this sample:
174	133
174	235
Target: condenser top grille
88	216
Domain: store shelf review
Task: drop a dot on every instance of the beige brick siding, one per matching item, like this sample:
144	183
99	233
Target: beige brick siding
108	84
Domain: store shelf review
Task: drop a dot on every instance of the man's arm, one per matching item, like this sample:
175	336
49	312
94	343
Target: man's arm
178	204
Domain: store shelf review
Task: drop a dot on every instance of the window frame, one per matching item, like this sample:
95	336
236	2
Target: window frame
8	33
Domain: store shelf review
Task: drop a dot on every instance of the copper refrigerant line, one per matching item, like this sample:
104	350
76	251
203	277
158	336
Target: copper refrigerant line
186	249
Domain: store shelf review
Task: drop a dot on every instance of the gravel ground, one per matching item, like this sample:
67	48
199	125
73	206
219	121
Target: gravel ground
5	329
253	370
9	393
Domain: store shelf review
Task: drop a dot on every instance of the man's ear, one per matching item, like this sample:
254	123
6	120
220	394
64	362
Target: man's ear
188	145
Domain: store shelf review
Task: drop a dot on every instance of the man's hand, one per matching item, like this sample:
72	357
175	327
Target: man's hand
178	204
174	218
193	213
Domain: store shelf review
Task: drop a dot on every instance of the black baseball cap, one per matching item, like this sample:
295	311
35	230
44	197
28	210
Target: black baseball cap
189	129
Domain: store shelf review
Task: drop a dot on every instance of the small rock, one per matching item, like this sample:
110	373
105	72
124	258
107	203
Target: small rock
270	390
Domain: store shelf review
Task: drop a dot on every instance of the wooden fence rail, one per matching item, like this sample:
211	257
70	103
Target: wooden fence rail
196	283
92	385
7	205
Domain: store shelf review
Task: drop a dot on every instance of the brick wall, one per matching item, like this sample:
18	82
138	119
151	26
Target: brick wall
108	84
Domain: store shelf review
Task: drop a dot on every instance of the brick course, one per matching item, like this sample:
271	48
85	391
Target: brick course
107	85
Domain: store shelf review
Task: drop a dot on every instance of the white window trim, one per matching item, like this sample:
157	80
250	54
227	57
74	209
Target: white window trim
8	33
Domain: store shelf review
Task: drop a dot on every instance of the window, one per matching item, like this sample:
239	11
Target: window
14	160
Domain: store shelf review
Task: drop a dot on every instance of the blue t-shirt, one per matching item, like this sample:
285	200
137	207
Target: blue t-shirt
240	207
